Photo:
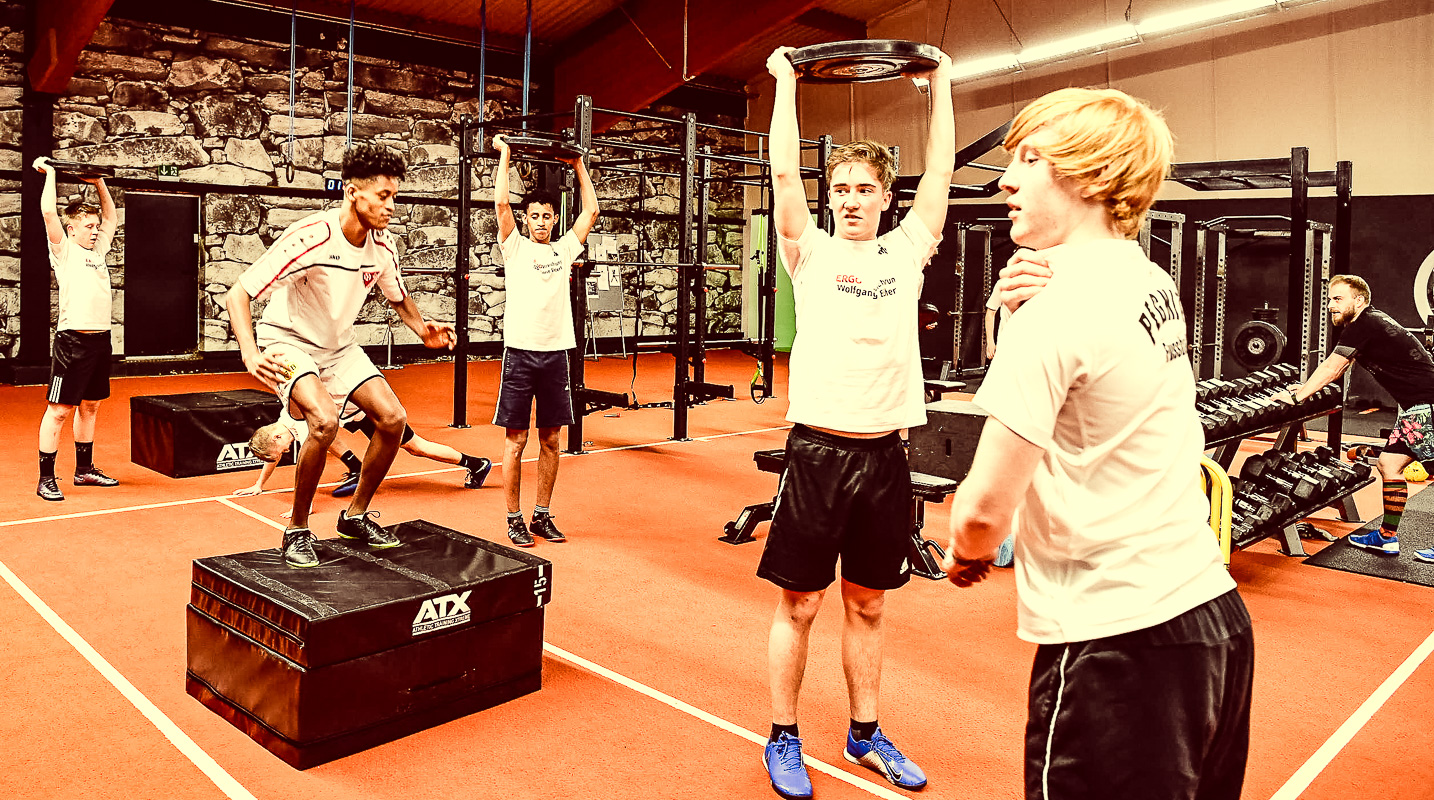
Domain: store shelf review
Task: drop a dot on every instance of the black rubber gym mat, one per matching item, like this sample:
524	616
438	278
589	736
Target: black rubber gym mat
1416	532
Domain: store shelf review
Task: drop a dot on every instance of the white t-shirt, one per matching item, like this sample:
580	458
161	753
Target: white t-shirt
84	279
539	312
299	428
319	282
1112	535
856	360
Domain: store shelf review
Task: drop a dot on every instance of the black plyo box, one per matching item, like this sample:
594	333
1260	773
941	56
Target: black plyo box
319	663
203	433
946	444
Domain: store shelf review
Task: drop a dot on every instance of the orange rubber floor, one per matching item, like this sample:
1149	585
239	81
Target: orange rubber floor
654	682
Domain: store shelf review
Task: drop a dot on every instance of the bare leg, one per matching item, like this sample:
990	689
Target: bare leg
433	451
378	401
513	447
548	440
51	424
317	407
85	420
861	648
787	651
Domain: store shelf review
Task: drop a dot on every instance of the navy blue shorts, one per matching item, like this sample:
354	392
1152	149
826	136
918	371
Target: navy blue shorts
840	498
530	375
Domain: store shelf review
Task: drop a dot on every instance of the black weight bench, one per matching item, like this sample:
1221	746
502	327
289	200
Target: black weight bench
924	489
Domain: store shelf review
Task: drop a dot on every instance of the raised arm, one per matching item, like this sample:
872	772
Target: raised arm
49	205
109	218
789	194
588	207
934	191
501	203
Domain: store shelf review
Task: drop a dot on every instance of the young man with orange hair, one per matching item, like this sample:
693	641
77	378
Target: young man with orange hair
855	380
1142	678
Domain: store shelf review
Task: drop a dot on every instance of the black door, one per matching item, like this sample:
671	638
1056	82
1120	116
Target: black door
161	274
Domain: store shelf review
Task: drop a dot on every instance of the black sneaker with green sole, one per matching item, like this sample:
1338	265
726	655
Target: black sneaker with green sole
363	527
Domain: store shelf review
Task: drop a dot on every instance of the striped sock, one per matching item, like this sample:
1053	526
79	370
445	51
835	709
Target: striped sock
1395	494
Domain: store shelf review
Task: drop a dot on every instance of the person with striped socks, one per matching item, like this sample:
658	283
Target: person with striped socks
1402	365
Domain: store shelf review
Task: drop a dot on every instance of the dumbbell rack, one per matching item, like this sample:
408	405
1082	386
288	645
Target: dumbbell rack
1287	427
1286	525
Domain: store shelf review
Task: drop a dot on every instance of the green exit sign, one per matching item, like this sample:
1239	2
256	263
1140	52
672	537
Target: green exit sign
168	171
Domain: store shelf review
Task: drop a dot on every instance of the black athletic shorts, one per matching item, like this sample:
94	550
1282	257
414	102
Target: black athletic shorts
530	375
1148	715
840	497
80	367
365	426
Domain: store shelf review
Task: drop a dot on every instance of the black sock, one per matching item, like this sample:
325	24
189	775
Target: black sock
351	461
862	731
47	464
84	457
469	462
778	730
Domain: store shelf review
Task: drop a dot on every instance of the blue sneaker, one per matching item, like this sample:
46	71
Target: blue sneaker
478	474
881	755
1006	553
1376	541
348	485
1427	554
783	758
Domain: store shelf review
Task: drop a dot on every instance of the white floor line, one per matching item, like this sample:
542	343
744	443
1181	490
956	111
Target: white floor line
496	465
716	721
222	779
252	513
1306	774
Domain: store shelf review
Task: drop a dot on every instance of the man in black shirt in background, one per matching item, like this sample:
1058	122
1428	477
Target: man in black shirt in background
1402	365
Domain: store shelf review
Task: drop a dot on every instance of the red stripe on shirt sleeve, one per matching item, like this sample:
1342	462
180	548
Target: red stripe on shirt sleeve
296	259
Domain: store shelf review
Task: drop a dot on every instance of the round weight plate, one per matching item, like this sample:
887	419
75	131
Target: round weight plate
1257	344
538	148
863	60
82	170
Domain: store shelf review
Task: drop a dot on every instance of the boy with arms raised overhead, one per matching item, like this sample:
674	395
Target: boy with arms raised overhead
855	380
80	369
537	335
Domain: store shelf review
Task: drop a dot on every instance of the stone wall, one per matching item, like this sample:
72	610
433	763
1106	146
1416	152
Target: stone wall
12	47
654	309
216	109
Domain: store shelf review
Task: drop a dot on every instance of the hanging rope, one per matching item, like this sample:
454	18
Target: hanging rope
293	68
350	110
482	63
527	62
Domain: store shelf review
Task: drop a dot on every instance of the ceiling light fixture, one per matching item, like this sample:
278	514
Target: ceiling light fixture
1102	41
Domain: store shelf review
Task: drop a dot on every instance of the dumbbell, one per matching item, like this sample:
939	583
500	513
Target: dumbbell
1255	507
1309	465
1354	473
1292	468
1262	469
1277	375
1225	420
